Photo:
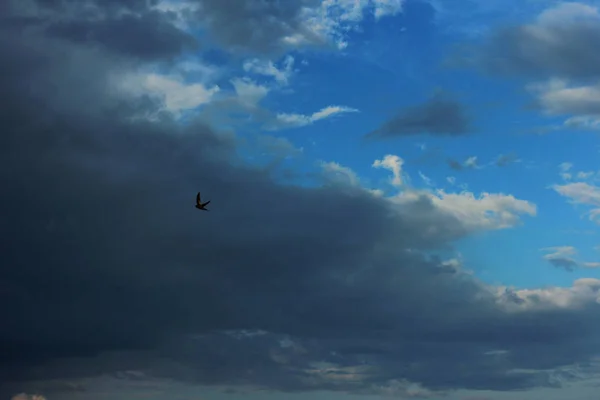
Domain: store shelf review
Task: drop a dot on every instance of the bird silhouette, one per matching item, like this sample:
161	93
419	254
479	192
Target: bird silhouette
199	204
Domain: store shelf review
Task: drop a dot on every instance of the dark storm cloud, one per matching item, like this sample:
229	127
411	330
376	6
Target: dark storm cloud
131	28
102	250
558	45
149	36
438	116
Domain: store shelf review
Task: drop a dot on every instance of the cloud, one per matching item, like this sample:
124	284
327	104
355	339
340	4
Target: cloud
560	257
114	276
469	163
178	96
394	164
128	28
455	165
565	169
586	122
561	46
25	396
337	173
563	41
506	159
486	212
243	107
427	180
268	68
438	116
556	97
591	265
271	27
582	193
291	120
249	93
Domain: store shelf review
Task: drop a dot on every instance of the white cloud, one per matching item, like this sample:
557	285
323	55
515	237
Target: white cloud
339	174
584	175
249	93
583	292
178	95
488	211
565	166
548	46
583	122
558	98
394	164
566	12
180	9
387	7
292	120
561	257
591	265
564	171
200	71
333	18
268	68
427	180
582	193
582	102
471	162
559	251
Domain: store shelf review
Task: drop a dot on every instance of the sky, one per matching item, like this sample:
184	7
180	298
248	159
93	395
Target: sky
405	199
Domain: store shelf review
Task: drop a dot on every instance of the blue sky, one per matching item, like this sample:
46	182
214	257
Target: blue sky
405	198
399	60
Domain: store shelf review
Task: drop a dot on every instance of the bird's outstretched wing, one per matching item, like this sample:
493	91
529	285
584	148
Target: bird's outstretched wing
198	199
205	204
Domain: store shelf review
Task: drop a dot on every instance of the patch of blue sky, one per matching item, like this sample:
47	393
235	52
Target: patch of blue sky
398	61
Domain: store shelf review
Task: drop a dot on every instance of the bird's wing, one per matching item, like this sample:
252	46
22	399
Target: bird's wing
198	198
205	204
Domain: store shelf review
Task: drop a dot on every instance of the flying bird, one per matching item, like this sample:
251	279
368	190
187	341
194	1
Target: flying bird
199	204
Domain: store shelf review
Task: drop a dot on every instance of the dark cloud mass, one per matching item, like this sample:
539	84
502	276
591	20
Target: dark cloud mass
107	267
438	116
150	36
130	28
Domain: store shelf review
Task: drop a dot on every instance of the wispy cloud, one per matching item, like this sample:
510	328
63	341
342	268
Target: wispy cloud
292	120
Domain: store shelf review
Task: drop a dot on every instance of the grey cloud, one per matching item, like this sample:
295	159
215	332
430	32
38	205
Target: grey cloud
261	27
149	36
103	251
129	28
570	48
455	165
469	163
438	116
564	262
